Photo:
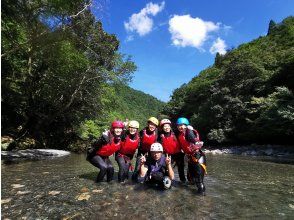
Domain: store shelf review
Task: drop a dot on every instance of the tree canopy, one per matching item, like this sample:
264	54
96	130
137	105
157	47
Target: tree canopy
57	66
246	96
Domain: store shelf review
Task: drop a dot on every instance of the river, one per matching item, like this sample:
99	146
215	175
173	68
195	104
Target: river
238	187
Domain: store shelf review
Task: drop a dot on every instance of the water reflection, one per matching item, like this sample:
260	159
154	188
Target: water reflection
237	187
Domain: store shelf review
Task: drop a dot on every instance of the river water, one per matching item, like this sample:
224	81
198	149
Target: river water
238	187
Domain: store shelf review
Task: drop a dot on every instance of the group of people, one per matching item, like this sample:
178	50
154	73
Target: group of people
157	147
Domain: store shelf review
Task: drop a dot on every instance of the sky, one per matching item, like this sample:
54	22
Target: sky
172	41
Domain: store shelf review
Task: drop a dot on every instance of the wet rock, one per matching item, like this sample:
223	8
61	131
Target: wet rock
83	196
84	190
33	154
53	193
3	201
71	217
97	190
16	186
23	192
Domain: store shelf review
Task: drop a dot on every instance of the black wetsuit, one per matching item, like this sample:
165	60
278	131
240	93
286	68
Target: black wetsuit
179	158
124	162
156	173
103	162
196	171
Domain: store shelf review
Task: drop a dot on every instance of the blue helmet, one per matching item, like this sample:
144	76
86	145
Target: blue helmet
182	121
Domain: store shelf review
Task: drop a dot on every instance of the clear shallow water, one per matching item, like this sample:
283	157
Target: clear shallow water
238	187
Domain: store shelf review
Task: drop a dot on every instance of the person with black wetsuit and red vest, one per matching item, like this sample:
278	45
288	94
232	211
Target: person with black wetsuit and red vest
129	144
105	146
171	146
148	136
191	145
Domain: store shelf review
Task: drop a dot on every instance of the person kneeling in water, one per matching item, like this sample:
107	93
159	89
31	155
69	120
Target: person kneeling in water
156	169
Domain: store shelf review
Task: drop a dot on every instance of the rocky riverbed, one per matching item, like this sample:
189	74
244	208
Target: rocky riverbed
33	154
274	151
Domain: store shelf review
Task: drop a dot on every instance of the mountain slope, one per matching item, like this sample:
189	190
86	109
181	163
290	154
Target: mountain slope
246	96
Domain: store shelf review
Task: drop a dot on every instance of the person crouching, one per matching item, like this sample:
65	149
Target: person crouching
156	169
105	146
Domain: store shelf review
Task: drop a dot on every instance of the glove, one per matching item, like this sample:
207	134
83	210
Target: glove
105	136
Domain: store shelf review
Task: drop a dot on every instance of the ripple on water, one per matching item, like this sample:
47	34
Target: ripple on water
235	188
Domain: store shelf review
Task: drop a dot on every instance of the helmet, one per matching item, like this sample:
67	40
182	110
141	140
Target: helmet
134	124
153	120
156	147
182	121
117	124
165	121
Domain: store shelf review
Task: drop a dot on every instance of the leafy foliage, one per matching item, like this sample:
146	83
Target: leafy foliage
57	65
247	95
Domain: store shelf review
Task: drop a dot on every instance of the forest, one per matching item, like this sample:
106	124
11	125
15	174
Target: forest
246	96
63	77
64	80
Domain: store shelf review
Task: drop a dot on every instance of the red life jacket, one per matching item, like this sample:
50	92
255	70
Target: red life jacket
129	146
109	149
188	147
147	140
170	144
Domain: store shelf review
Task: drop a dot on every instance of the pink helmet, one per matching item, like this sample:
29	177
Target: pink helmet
164	121
117	124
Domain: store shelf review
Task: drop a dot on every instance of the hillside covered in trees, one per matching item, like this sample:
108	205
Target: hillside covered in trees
246	96
123	103
60	72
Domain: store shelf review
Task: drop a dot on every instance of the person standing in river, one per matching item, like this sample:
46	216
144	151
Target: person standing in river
148	136
172	147
156	169
129	144
105	146
191	145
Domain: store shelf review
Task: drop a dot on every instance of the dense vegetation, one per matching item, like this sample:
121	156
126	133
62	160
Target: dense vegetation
246	96
123	103
59	68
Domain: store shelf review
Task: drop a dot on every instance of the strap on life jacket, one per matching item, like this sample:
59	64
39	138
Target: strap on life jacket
193	159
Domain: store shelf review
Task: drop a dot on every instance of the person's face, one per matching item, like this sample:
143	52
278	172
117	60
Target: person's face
156	155
117	131
166	127
132	130
182	127
151	126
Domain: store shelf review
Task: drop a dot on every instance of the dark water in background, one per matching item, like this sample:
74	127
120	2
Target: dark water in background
238	187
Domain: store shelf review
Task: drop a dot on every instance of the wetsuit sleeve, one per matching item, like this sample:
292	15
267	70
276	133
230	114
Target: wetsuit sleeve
159	139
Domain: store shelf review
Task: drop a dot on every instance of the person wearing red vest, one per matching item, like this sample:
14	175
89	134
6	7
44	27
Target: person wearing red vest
105	146
191	145
148	136
129	144
171	146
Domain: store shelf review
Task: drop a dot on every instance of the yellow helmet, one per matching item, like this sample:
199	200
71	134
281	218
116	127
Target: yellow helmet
153	120
134	124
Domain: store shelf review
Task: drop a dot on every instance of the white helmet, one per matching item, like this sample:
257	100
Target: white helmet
156	147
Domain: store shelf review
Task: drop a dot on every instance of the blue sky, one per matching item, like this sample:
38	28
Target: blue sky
171	41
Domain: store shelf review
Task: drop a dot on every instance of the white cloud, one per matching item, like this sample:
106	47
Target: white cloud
142	22
189	31
218	46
